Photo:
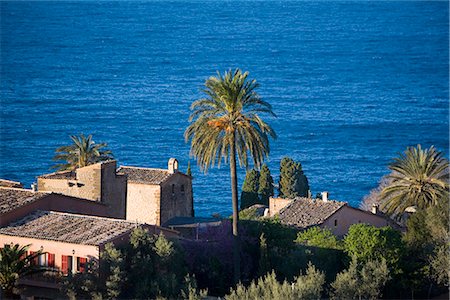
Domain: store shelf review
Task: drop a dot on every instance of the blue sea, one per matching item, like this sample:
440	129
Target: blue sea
353	83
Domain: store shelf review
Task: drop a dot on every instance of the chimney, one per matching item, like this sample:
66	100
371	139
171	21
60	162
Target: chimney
34	187
375	209
324	196
173	166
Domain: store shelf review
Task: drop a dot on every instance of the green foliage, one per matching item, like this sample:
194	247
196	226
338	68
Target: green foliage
419	178
307	286
226	124
249	195
366	242
83	152
293	182
363	281
264	262
83	285
318	237
265	189
191	291
163	247
249	214
15	264
427	239
113	259
440	265
228	117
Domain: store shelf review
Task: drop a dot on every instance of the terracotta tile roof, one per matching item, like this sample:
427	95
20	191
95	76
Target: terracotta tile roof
305	212
145	175
69	228
12	198
60	175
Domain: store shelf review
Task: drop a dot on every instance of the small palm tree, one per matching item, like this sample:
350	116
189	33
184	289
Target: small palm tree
226	125
83	152
419	178
15	264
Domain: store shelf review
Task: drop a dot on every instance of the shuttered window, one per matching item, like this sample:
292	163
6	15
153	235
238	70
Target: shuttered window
81	264
51	260
66	264
34	261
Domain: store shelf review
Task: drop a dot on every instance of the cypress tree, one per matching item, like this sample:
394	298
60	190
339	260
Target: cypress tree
265	185
293	182
249	195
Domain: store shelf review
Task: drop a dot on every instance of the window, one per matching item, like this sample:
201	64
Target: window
35	260
81	264
66	264
182	188
42	259
335	222
51	260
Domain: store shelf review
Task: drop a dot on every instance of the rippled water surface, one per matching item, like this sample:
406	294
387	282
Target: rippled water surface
352	83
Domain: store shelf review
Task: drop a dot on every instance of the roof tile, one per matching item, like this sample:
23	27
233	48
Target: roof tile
305	212
145	175
68	228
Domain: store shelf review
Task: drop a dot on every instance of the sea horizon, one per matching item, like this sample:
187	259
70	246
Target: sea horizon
352	84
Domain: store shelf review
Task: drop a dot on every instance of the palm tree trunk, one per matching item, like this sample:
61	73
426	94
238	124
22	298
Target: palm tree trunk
234	200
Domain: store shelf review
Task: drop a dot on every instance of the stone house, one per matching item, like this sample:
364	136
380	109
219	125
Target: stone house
98	182
155	196
68	241
146	195
303	213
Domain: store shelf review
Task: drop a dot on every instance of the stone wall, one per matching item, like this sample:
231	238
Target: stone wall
113	190
97	182
176	197
143	203
276	204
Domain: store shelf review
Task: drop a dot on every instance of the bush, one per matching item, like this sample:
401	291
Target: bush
318	237
363	281
307	286
366	242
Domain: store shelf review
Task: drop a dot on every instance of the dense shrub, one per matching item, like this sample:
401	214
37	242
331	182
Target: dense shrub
308	286
361	281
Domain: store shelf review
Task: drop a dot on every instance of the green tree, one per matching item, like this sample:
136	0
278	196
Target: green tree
83	152
308	286
114	265
419	178
226	125
318	237
293	182
16	264
366	242
249	195
265	190
361	281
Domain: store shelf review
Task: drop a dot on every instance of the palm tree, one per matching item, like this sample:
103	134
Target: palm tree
225	125
83	152
15	264
419	178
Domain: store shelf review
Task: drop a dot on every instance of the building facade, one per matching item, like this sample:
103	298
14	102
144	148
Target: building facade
98	182
337	216
146	195
154	196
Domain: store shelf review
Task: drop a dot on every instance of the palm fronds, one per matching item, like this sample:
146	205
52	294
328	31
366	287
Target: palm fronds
419	178
83	152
